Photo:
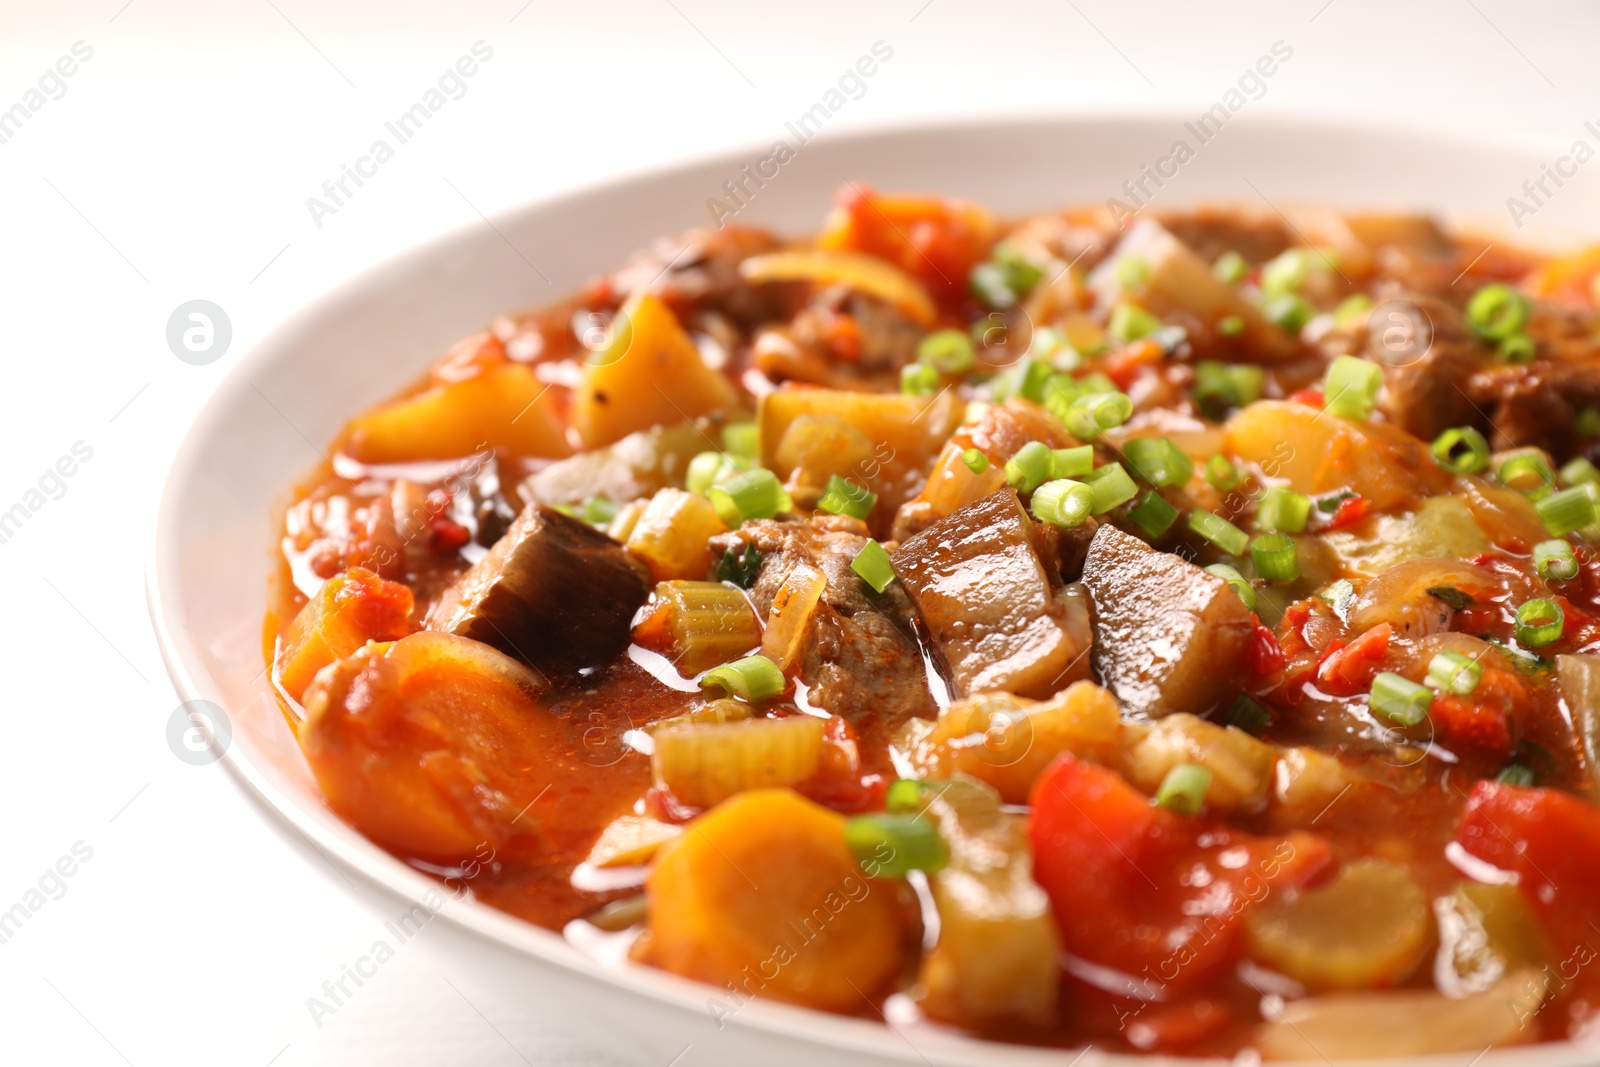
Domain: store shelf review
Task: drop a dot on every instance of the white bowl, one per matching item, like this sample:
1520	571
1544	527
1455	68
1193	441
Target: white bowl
207	584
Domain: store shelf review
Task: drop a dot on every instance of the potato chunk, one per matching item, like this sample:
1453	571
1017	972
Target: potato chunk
1241	766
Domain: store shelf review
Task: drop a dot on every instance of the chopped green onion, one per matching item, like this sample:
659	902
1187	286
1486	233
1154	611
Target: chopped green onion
1351	387
1230	326
1497	311
1288	312
1451	672
1230	267
947	351
740	568
847	498
1449	594
1276	557
1329	504
903	795
754	494
1350	309
1221	472
1518	348
1227	385
1554	560
1462	450
1130	322
742	439
1400	700
1071	462
1247	714
1286	273
918	379
911	843
1005	279
1339	595
1132	272
1096	382
872	563
1516	774
1112	487
707	468
1089	415
1035	373
1539	623
1153	514
1183	790
1236	582
1527	472
1158	461
1029	468
975	460
1588	421
1048	342
1063	502
1283	510
598	510
753	678
1580	472
1219	531
1567	511
1058	393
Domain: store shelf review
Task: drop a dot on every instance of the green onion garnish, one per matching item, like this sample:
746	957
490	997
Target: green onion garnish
1153	514
1230	267
1096	382
1351	387
1566	511
1400	700
872	563
1283	510
1221	472
1451	672
753	678
704	470
1071	462
1285	273
903	795
1183	790
1554	560
1130	322
1497	311
847	498
1219	531
1288	312
1462	450
1111	486
1539	623
1248	714
1035	373
1230	326
1339	595
1236	582
1527	472
947	351
1227	385
754	494
918	379
975	460
1350	309
1518	348
742	439
911	842
1063	502
1029	468
1089	415
598	510
1132	272
1516	774
1159	461
1276	557
1580	472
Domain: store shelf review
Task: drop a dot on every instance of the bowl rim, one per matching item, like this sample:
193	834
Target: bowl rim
346	848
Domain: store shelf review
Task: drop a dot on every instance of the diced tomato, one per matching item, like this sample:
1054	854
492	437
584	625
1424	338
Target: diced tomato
936	241
1266	655
1482	721
843	334
1173	1026
1147	892
447	534
1348	669
1291	638
851	796
1309	397
1127	365
1352	509
1551	840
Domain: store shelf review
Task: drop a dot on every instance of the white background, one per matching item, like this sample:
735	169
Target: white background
177	166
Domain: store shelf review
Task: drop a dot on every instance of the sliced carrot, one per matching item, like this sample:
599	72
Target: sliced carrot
351	609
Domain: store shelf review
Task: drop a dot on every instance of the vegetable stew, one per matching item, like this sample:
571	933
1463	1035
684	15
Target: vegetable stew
1175	634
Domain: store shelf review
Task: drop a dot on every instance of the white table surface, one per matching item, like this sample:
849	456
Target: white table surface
176	165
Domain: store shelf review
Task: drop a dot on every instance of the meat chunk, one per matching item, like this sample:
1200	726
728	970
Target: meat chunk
699	269
1426	395
1168	636
994	611
1536	403
857	653
1257	234
554	592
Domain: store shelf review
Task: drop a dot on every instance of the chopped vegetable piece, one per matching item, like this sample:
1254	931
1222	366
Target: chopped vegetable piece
1219	386
1462	450
1111	486
1580	472
1130	322
1063	502
872	563
754	494
847	498
704	764
1289	312
1236	582
1276	557
1400	700
1518	348
630	840
1092	413
671	535
742	439
918	379
1287	272
975	460
1339	595
911	842
1516	774
1221	473
348	611
740	568
1132	272
1539	623
1006	278
1219	531
1452	596
1183	790
752	678
1451	672
1351	309
1248	715
1497	312
904	795
1567	511
1071	462
701	624
708	468
1230	326
1283	510
1230	267
1554	560
947	351
1527	472
1153	514
1030	467
1159	461
1351	387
